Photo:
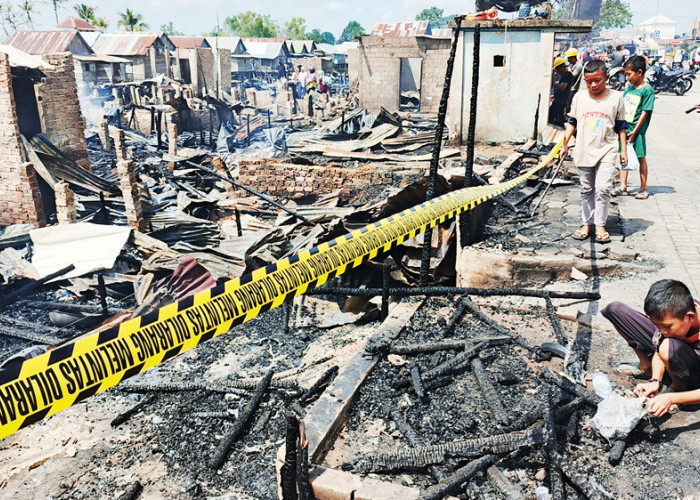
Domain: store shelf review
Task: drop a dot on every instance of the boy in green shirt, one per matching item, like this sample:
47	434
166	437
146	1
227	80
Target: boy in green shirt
639	104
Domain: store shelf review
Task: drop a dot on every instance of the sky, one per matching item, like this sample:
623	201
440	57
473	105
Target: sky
193	17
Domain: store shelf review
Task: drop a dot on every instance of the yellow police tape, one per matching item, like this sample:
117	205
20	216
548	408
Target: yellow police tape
55	380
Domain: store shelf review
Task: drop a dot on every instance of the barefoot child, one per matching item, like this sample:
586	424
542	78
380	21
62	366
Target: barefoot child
639	104
666	341
598	117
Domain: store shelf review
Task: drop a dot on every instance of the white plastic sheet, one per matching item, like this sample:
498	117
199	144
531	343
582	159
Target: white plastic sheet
89	247
617	416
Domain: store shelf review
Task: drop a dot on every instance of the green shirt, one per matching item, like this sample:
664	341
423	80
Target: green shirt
636	101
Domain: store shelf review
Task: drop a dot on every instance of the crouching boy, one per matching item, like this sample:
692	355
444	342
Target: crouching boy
667	343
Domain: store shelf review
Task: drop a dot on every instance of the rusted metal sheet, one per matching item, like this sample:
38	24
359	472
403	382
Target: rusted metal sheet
124	44
401	29
189	42
77	24
46	42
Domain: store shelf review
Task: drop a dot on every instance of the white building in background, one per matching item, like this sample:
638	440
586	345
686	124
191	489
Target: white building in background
658	27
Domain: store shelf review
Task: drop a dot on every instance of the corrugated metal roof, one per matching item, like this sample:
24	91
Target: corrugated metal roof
91	37
22	59
77	24
442	33
297	47
43	42
342	48
124	44
266	48
102	58
189	42
401	29
233	43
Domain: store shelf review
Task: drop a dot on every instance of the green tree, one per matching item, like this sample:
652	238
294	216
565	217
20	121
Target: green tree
295	29
314	35
614	14
29	8
85	12
169	29
328	37
352	30
131	21
435	17
251	24
56	4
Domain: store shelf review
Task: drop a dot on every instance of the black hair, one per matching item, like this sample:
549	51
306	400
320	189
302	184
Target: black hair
636	63
593	66
619	47
668	297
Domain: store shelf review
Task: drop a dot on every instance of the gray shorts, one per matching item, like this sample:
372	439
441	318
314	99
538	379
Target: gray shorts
684	358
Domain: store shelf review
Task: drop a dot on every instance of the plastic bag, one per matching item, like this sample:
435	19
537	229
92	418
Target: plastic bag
632	160
617	416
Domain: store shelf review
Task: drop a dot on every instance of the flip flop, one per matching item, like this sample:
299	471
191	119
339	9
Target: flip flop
642	195
603	237
619	192
580	235
631	370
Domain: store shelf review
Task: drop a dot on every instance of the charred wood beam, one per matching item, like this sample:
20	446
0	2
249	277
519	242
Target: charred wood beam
232	386
254	193
241	422
572	434
497	199
579	481
323	380
556	324
616	451
386	280
213	414
461	476
75	308
441	291
417	382
476	311
528	418
413	439
435	159
503	484
488	390
30	288
422	456
460	307
303	478
447	345
132	492
589	397
555	480
123	417
447	366
9	329
289	467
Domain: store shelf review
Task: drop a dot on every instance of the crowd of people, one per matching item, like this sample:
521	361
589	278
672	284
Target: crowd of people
300	81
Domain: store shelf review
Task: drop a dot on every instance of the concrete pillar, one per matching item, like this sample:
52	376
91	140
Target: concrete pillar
119	145
167	63
103	133
130	192
65	203
152	57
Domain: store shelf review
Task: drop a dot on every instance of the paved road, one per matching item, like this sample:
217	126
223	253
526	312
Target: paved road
667	225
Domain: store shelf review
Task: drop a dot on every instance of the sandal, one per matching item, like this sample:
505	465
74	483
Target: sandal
619	192
603	237
580	235
642	195
631	370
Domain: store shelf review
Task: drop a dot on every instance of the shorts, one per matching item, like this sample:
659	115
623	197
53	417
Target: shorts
684	358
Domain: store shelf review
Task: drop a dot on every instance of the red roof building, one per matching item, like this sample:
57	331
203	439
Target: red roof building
75	23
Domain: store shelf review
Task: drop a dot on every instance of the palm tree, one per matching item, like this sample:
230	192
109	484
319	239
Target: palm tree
100	22
131	21
85	12
8	16
28	7
56	3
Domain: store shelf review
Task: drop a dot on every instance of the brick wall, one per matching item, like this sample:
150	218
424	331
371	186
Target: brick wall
202	71
379	65
59	109
20	198
225	69
295	181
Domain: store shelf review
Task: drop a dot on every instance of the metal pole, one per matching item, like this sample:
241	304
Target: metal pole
465	218
435	160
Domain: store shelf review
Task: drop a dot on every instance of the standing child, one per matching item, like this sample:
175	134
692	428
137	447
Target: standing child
599	117
639	104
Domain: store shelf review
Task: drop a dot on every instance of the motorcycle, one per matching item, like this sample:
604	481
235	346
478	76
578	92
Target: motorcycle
665	80
617	78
